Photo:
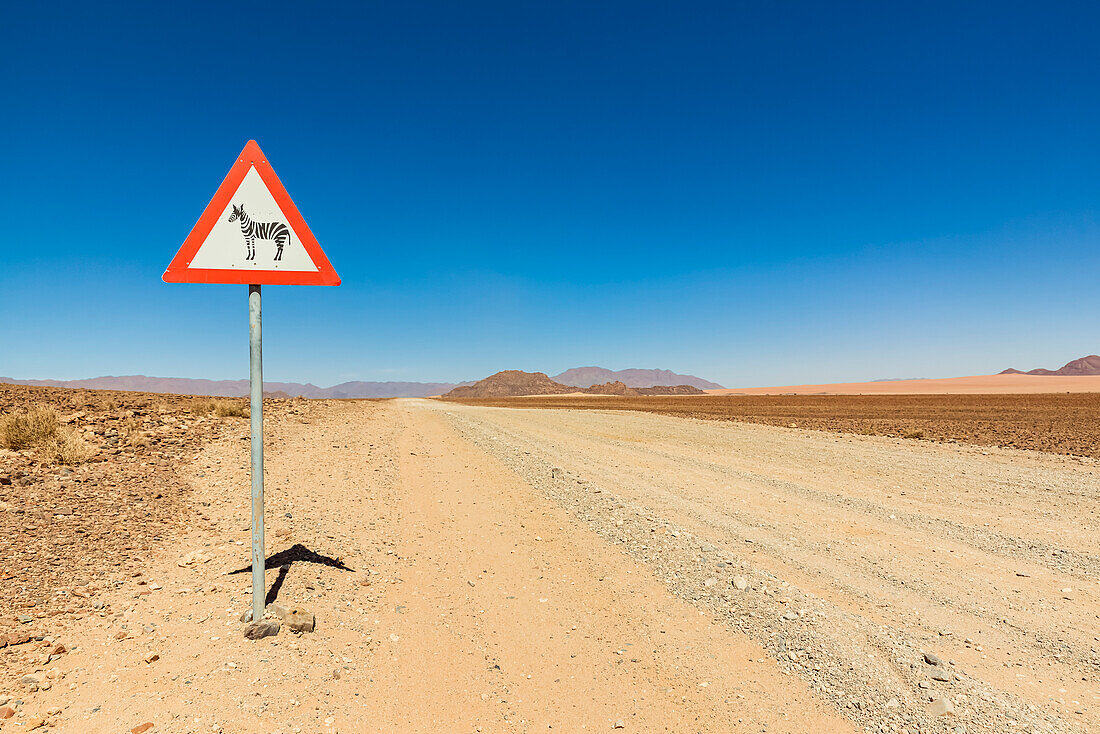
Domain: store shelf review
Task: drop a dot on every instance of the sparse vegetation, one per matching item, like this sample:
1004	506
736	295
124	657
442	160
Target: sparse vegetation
37	425
67	448
231	409
40	427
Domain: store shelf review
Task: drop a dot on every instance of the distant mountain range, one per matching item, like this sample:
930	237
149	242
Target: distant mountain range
236	388
589	376
1089	365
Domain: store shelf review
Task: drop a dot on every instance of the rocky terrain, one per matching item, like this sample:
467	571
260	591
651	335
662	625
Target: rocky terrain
67	533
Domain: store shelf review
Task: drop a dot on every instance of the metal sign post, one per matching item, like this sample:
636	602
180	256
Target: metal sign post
256	413
251	233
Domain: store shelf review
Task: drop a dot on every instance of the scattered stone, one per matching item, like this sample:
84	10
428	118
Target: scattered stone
1021	573
941	675
789	617
941	706
740	583
618	724
7	712
26	618
142	728
58	649
710	582
299	620
31	681
151	658
35	722
893	703
932	659
246	615
192	558
261	629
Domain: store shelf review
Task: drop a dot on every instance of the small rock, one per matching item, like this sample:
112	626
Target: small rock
58	649
893	703
35	722
31	681
299	620
618	724
151	658
26	618
1023	574
7	712
246	615
932	659
142	728
740	583
941	706
941	675
924	684
1067	589
261	629
710	582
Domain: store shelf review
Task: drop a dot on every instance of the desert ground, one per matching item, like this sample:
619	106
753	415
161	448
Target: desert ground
973	385
476	568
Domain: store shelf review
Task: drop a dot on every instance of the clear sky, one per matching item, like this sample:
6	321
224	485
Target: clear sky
757	193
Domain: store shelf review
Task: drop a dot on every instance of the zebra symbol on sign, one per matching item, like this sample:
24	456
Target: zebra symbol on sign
276	232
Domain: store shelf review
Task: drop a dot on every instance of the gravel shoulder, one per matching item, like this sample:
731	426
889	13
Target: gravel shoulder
859	554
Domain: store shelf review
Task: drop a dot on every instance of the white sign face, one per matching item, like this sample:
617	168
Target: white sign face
253	234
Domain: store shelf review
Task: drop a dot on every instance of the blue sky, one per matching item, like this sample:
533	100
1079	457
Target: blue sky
757	193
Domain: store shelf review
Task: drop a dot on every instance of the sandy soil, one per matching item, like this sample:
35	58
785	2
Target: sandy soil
975	385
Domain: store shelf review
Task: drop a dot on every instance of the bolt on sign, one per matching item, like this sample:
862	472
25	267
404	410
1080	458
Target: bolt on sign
251	233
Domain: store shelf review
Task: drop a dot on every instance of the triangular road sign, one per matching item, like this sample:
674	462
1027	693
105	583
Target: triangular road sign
251	233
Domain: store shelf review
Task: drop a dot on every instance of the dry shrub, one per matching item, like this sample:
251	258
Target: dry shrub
33	428
40	427
231	409
67	448
204	406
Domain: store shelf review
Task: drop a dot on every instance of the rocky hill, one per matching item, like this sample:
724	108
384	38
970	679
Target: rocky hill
1089	365
589	376
510	383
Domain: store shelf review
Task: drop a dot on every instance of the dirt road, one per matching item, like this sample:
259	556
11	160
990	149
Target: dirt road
480	569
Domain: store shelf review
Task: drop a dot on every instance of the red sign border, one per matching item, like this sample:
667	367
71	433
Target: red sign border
179	270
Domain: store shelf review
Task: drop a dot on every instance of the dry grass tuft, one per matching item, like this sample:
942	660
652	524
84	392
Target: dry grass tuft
231	409
33	428
67	448
40	427
203	407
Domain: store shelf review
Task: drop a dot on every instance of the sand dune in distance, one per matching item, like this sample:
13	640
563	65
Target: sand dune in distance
975	385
